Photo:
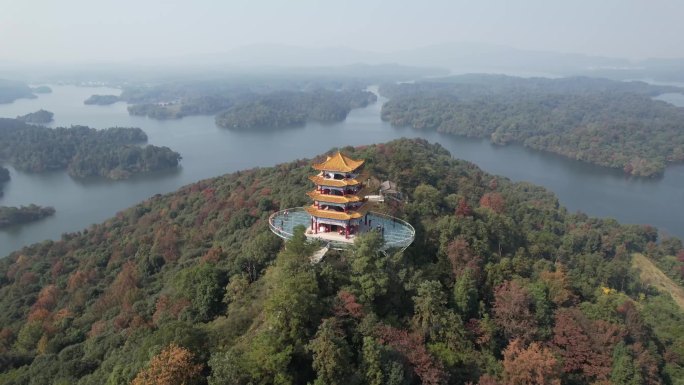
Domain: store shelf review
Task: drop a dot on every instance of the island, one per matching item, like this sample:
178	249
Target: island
41	90
10	216
39	117
113	153
500	285
250	102
101	100
603	122
289	109
12	90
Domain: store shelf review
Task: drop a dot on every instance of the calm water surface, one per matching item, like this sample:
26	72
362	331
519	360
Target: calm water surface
210	151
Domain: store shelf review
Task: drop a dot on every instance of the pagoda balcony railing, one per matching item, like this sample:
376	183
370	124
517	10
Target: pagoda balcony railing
398	233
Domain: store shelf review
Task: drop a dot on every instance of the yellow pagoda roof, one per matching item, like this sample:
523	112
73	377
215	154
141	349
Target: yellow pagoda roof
338	215
340	163
317	196
320	181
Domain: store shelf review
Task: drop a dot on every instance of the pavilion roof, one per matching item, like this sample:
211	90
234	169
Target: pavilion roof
339	163
330	214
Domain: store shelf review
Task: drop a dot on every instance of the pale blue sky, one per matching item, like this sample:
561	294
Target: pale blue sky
104	30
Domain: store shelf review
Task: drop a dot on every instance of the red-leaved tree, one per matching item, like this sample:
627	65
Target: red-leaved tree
513	311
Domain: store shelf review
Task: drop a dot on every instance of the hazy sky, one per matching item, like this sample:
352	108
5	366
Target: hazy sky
105	30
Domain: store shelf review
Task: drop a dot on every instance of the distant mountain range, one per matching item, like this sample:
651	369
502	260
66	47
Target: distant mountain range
433	60
456	57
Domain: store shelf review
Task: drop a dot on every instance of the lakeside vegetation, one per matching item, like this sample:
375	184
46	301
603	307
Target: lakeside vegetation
604	122
249	103
287	109
39	117
41	90
203	105
501	285
101	100
12	90
18	215
84	152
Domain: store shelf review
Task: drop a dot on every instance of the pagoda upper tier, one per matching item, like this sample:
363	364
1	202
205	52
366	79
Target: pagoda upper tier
321	180
339	163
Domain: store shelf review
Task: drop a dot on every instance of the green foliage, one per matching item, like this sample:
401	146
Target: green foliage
625	371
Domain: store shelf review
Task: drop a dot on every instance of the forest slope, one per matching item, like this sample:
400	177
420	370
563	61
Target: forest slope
501	284
652	275
608	123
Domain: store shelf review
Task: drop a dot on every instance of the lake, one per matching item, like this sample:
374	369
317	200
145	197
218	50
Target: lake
210	151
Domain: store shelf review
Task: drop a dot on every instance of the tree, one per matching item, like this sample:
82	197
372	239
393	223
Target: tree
585	346
534	365
463	209
412	346
369	267
465	295
624	370
226	369
331	354
429	304
426	199
203	285
493	201
172	366
372	362
462	257
513	311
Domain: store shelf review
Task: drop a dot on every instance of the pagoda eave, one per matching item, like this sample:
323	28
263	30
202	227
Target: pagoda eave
317	196
321	181
336	215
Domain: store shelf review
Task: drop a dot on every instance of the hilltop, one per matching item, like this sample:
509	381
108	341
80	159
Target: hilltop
501	284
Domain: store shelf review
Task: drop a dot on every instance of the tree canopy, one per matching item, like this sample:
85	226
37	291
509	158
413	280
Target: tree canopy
192	286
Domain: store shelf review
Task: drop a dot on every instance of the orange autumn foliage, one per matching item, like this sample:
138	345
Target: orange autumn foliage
493	201
534	365
172	366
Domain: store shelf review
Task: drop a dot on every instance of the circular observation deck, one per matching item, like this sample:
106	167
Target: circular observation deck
398	234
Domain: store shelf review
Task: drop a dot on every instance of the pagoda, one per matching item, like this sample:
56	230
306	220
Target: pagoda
338	204
341	210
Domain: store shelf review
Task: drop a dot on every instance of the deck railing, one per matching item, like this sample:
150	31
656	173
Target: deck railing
401	243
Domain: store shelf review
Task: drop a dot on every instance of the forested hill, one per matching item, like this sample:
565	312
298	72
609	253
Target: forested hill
83	151
500	287
605	122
